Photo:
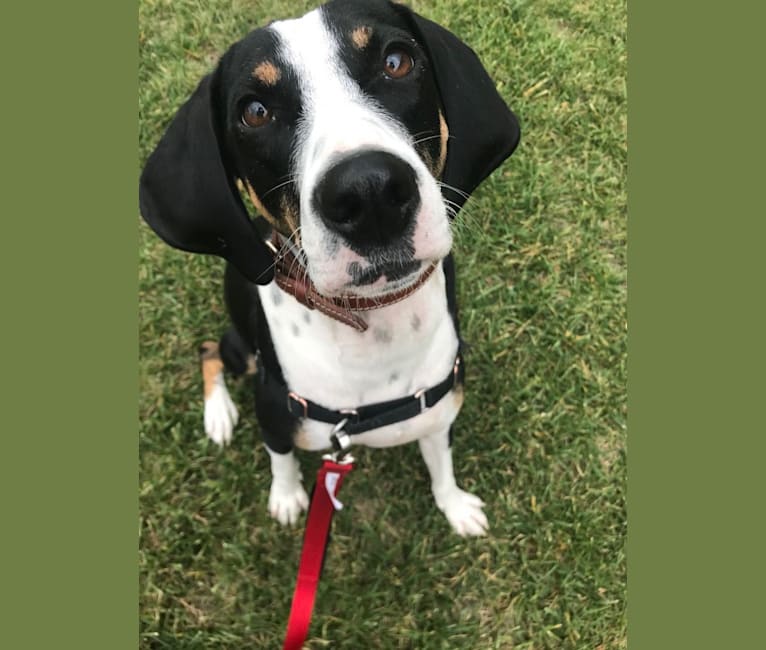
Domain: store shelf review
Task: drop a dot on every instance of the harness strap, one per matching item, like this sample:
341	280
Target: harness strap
324	502
371	416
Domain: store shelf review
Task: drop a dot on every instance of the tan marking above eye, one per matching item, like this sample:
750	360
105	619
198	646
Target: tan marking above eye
266	72
361	37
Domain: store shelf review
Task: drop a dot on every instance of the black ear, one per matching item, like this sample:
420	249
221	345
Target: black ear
483	130
189	198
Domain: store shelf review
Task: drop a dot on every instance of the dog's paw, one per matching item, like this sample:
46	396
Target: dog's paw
464	512
220	415
287	501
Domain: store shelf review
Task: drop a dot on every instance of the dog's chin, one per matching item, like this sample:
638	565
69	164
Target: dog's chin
379	287
383	285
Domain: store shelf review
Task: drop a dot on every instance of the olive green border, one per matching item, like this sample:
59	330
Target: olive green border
68	463
695	288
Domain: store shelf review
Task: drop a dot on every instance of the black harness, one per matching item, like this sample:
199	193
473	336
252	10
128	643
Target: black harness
349	422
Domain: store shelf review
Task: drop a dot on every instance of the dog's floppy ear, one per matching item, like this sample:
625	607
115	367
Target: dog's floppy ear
483	130
189	198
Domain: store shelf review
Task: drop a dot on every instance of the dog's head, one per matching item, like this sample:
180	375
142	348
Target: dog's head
357	130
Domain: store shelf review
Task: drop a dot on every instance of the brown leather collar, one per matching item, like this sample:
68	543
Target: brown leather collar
290	276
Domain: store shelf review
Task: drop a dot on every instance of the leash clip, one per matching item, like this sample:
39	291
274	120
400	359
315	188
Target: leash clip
341	442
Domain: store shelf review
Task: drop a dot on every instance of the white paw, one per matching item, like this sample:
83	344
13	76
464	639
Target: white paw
220	415
464	512
287	501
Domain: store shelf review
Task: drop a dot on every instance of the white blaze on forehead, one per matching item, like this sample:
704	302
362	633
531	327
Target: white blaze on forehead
337	115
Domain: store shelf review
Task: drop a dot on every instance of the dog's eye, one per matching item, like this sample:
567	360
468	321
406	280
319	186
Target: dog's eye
255	115
398	64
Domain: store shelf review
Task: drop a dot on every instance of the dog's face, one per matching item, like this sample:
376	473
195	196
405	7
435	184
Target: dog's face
348	128
334	125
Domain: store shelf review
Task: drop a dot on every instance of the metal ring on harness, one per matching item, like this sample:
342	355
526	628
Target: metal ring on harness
341	441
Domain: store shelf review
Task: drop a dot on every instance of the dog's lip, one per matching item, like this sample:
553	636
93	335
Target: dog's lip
382	286
393	271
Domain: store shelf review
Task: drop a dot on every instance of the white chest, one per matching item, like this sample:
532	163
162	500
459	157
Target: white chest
408	346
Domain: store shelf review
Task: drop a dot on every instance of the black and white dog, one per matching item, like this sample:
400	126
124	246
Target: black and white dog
358	131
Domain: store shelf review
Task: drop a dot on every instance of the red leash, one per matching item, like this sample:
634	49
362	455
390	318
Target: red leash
323	505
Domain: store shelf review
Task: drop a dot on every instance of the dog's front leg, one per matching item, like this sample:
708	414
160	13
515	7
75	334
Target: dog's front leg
462	509
220	415
287	498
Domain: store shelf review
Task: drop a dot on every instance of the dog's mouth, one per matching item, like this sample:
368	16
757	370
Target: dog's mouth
376	281
393	272
380	280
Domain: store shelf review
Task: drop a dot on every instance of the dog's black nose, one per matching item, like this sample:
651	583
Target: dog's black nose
369	197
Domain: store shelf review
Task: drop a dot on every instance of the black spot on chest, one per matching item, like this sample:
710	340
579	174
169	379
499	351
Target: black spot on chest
382	335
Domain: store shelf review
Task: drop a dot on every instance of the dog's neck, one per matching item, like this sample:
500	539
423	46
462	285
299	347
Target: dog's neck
407	346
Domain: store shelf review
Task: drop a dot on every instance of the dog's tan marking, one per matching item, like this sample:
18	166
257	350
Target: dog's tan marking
290	215
212	365
459	395
361	36
287	226
436	167
444	133
267	73
259	204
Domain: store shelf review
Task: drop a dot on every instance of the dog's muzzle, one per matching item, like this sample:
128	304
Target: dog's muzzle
291	277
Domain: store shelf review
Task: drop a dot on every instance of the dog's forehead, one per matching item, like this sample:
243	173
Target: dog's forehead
354	13
335	29
343	16
240	63
327	35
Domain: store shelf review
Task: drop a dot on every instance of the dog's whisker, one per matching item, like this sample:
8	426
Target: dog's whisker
289	181
422	140
419	134
453	188
284	247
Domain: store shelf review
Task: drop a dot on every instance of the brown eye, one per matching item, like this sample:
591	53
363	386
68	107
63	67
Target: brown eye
255	115
398	64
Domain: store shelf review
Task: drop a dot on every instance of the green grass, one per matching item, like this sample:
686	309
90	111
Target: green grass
542	282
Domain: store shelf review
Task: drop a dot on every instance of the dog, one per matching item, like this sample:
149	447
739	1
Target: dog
357	132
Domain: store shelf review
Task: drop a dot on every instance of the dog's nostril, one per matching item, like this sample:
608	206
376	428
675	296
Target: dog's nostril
371	195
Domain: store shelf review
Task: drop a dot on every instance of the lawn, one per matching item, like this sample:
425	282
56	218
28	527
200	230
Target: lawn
542	437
